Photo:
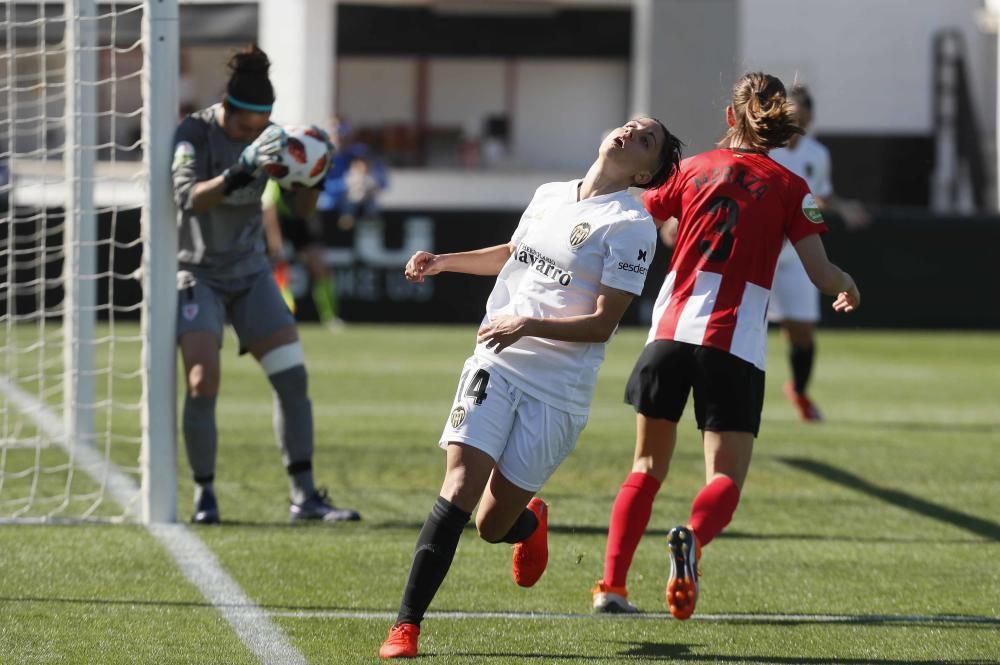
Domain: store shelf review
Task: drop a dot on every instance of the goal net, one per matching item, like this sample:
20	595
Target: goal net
84	141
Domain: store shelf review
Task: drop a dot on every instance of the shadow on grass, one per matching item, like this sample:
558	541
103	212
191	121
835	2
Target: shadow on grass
905	426
334	612
645	650
971	523
602	531
682	653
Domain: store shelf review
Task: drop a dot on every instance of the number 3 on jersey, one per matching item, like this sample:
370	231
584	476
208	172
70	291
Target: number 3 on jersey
717	244
477	386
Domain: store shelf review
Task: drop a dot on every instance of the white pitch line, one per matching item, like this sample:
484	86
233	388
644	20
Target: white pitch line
198	564
659	616
121	487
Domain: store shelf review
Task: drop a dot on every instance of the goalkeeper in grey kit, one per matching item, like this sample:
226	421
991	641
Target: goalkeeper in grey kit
222	158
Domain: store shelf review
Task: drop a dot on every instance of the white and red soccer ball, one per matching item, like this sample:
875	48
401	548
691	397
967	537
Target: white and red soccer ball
304	159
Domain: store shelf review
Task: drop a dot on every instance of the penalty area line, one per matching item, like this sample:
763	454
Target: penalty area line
660	616
194	559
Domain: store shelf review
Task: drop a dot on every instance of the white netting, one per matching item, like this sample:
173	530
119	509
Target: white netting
70	341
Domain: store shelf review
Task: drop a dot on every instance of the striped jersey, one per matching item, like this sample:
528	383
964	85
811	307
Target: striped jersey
734	211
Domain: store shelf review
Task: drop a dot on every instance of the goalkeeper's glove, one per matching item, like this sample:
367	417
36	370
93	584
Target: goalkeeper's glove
263	154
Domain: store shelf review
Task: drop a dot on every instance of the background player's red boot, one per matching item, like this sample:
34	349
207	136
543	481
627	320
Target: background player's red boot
807	410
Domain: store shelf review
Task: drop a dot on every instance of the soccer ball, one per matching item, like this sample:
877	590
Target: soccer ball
304	159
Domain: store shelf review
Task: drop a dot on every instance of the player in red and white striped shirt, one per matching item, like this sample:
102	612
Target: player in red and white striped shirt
734	206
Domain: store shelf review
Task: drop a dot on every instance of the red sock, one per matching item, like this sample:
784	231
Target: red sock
713	508
629	517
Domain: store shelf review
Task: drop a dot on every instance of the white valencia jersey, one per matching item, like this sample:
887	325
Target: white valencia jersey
795	297
810	160
565	250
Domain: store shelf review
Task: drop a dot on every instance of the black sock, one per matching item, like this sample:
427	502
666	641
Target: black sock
802	364
432	557
524	526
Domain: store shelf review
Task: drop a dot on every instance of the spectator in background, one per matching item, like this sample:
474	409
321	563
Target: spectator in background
361	190
794	300
334	201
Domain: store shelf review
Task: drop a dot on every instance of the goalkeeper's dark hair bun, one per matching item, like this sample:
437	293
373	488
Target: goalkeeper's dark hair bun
248	80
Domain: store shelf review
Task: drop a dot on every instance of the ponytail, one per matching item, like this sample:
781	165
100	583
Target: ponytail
764	117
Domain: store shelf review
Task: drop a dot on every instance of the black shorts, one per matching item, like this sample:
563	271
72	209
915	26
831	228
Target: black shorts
728	391
299	232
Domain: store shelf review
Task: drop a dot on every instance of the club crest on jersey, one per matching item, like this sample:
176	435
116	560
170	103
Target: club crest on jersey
811	209
579	233
457	417
183	154
189	311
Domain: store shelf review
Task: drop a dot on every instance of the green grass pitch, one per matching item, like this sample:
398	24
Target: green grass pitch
870	539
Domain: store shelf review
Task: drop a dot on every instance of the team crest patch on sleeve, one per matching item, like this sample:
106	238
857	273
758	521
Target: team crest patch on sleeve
183	154
579	233
811	209
457	416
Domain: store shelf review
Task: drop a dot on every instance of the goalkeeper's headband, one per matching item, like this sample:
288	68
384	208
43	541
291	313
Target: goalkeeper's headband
247	106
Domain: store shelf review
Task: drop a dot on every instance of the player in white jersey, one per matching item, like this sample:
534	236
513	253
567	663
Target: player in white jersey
794	300
576	260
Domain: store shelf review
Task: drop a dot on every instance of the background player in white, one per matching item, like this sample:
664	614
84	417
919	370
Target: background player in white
221	158
794	300
576	260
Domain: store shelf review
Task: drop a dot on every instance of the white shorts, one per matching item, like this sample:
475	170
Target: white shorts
793	296
526	437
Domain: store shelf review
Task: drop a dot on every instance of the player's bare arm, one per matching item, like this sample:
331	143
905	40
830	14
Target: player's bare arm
272	231
305	201
827	277
852	212
668	231
486	261
597	327
207	194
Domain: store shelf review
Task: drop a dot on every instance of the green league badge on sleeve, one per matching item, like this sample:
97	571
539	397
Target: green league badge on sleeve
183	155
811	209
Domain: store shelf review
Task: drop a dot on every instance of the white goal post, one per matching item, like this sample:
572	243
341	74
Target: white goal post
88	107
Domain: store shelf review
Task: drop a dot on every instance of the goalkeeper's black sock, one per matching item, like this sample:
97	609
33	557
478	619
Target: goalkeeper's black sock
801	358
435	549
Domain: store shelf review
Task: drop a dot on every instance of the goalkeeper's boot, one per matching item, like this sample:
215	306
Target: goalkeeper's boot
612	600
318	507
531	555
402	641
682	587
206	509
808	412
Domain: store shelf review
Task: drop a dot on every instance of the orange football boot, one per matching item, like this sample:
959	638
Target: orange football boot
611	600
531	555
402	641
682	587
